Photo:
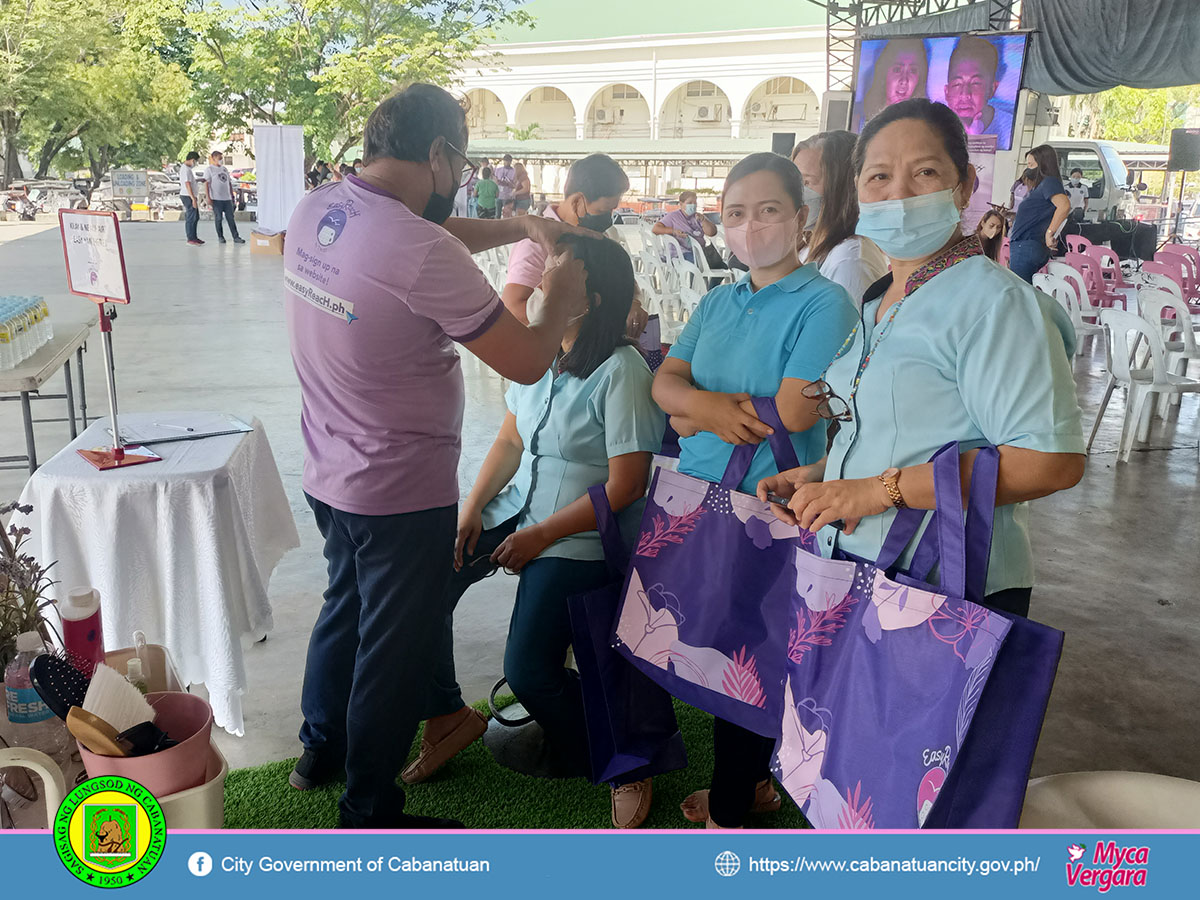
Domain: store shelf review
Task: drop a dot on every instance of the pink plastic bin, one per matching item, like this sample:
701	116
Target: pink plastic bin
184	717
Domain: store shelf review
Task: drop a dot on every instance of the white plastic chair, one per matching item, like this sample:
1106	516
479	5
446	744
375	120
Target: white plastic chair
630	236
54	788
1087	309
1111	800
701	261
718	241
1180	352
1140	383
1062	291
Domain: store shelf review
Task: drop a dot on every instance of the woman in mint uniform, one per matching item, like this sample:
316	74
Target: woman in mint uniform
950	347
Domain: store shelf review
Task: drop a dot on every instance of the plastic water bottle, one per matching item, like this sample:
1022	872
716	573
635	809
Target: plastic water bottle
31	723
83	634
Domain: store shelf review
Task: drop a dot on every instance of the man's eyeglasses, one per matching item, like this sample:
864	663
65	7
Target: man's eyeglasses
469	171
829	405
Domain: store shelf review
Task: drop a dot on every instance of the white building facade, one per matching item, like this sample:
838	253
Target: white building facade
654	95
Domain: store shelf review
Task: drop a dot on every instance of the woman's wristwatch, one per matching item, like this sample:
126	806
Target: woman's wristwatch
890	478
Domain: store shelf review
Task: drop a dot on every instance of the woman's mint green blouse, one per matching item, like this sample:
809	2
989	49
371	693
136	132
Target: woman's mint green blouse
974	355
571	427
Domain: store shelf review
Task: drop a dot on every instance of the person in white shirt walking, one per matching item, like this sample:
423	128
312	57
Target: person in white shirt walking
220	196
187	193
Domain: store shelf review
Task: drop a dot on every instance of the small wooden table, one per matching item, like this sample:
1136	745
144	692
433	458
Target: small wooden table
24	383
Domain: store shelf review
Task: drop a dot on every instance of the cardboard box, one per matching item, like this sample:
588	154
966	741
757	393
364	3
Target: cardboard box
268	244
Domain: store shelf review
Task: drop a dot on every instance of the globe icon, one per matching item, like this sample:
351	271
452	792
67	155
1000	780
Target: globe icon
727	863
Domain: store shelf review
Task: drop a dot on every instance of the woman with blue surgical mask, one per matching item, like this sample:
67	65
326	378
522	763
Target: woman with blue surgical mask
845	258
950	347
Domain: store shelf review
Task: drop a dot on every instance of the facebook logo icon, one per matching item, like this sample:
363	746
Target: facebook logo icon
200	864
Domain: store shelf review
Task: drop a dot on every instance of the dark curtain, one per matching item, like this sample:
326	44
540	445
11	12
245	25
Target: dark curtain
1086	46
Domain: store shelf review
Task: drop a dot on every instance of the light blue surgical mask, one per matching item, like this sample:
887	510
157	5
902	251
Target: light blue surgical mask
912	227
689	209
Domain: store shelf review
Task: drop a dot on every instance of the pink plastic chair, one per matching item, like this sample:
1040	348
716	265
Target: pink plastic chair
1093	277
1189	262
1077	243
1004	253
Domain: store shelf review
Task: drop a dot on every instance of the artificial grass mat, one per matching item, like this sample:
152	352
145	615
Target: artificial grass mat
473	788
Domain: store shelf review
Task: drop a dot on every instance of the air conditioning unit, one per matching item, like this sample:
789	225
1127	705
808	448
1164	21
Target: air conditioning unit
604	116
756	108
709	113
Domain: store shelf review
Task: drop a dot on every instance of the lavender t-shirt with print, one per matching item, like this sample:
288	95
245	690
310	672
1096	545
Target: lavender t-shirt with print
375	298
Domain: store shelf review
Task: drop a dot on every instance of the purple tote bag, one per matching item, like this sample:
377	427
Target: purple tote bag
885	672
631	726
709	587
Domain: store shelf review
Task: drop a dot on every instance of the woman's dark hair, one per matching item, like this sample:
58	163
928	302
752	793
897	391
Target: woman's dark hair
991	246
609	275
1047	164
485	172
839	200
405	124
875	100
769	162
939	117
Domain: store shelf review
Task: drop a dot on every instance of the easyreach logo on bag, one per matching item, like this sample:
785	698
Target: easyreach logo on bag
110	832
1110	866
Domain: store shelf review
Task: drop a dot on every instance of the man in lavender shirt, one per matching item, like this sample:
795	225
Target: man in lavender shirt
506	178
380	286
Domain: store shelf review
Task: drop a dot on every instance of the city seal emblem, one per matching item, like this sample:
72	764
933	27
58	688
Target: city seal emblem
110	832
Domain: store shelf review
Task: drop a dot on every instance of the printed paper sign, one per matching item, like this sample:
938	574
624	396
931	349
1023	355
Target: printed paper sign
95	262
131	185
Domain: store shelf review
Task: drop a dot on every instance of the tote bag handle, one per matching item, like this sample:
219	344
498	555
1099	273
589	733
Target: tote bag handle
960	545
780	442
615	553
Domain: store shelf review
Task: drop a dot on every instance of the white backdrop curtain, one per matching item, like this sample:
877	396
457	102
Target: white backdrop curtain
279	167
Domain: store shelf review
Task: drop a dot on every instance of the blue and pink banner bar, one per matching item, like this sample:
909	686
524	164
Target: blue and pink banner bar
1026	865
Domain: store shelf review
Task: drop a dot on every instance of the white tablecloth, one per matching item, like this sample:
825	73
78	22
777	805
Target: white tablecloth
182	549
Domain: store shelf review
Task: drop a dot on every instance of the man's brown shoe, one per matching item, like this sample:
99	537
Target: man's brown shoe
465	727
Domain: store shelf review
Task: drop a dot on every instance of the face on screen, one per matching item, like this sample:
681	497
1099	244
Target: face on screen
902	76
970	86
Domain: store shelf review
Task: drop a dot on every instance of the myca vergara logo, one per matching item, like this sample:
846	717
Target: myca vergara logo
1109	866
110	832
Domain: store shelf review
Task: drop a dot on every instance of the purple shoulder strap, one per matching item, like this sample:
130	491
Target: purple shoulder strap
615	553
780	443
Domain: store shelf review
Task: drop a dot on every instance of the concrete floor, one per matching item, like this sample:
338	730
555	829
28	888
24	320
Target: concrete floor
1118	556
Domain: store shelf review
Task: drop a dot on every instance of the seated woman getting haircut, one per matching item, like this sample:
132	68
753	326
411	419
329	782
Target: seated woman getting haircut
590	420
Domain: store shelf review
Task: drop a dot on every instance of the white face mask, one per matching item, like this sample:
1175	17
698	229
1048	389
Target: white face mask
912	227
813	200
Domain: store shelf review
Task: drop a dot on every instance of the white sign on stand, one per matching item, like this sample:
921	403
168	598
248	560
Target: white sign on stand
96	270
131	185
95	261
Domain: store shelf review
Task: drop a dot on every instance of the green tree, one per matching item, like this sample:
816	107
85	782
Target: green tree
1131	114
530	133
326	64
140	115
114	86
42	42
